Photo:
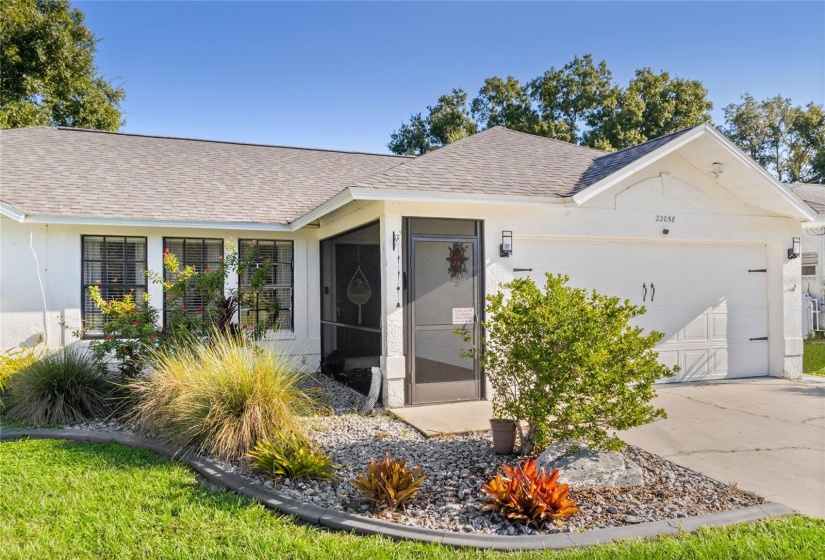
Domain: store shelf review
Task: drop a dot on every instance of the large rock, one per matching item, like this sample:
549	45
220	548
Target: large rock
586	468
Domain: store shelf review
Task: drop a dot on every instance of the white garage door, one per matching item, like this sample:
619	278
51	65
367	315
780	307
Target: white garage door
712	310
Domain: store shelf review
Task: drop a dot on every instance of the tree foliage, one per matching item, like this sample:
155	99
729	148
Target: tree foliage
786	139
578	103
568	363
49	76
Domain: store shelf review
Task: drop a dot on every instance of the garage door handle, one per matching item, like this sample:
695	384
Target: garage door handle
644	287
758	338
652	295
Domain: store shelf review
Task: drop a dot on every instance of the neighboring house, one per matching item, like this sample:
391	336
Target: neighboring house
378	258
813	258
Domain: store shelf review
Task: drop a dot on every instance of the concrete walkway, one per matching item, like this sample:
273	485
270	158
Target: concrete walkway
765	435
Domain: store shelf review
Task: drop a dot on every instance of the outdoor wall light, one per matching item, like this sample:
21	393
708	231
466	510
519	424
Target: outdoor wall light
506	243
716	170
793	252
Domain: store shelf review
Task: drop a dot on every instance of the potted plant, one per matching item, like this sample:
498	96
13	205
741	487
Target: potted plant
504	435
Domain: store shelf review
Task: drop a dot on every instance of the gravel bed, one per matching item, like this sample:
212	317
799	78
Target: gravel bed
457	466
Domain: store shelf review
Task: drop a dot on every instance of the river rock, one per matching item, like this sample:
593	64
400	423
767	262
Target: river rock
587	468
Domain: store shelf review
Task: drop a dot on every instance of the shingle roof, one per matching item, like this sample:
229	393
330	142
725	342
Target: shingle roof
73	172
811	193
503	161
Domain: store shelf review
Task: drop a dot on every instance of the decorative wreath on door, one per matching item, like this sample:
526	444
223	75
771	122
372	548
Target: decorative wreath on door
458	262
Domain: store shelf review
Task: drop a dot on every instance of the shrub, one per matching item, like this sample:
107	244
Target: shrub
130	334
64	387
288	455
567	361
389	483
12	361
528	495
222	395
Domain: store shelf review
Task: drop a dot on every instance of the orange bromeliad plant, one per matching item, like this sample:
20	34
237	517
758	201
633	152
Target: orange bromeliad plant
528	495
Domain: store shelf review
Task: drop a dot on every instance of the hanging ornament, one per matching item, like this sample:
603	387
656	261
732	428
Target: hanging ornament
358	289
458	262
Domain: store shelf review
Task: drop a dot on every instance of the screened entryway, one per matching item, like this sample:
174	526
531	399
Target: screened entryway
444	290
351	305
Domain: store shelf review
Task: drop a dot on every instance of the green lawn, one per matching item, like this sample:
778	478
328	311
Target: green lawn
64	499
813	360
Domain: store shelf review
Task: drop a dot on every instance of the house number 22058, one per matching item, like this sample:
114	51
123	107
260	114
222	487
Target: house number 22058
667	219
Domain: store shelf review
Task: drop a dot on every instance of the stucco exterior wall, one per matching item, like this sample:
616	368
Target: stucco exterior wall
55	263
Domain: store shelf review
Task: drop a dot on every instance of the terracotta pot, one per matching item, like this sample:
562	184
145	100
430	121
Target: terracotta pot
504	435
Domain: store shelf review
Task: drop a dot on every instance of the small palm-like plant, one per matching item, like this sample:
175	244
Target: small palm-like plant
288	455
389	483
66	386
528	495
12	361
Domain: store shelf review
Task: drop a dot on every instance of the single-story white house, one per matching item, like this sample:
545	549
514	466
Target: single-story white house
685	224
812	258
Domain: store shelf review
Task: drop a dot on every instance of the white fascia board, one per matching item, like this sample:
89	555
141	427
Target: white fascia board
126	222
342	198
437	196
11	212
352	194
805	211
817	222
601	186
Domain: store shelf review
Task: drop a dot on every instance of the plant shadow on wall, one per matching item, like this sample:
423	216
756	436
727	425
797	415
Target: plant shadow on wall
566	362
196	306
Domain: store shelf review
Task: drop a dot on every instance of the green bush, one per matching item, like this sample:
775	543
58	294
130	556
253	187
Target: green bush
64	387
567	361
222	394
12	361
288	455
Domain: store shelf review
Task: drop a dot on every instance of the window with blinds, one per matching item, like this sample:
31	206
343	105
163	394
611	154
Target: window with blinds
279	285
202	255
809	263
115	264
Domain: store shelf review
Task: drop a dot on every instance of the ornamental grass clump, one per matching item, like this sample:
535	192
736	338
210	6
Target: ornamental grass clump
64	387
389	483
221	395
12	361
528	495
289	455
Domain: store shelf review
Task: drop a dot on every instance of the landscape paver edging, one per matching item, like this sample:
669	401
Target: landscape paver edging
332	518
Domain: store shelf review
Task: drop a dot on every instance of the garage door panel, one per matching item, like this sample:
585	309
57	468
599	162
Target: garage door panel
705	302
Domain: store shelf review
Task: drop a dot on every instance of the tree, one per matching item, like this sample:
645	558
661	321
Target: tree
652	105
447	121
567	362
566	99
504	103
577	103
48	72
787	140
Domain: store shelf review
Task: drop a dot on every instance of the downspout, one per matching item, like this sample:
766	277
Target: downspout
40	281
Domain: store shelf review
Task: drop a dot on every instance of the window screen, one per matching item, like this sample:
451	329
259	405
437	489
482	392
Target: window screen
202	255
809	262
118	266
279	285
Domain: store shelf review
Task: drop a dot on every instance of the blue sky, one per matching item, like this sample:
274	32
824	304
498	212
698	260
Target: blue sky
345	75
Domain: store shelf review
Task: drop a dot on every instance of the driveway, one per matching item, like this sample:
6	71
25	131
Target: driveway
766	435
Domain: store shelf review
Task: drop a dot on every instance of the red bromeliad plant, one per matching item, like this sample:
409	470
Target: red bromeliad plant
528	495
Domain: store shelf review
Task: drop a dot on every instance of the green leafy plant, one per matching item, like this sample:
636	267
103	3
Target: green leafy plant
14	360
222	394
288	455
528	495
63	387
568	363
130	332
389	483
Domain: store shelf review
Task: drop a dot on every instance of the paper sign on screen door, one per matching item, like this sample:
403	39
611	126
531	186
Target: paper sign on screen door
463	315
